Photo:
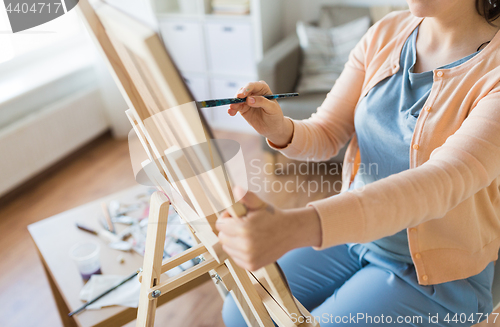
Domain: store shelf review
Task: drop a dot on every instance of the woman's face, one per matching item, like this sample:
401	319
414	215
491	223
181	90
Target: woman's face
441	8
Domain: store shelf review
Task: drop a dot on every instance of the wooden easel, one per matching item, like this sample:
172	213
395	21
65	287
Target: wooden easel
166	122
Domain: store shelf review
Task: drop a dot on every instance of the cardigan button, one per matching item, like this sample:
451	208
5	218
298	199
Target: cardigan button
428	108
440	74
424	277
415	146
417	255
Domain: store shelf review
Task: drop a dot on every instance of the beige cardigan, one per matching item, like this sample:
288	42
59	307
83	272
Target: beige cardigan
449	199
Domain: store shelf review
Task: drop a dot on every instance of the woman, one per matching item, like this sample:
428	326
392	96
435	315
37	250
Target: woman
415	245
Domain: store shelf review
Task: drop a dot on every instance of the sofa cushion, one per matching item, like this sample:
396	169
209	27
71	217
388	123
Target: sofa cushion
326	51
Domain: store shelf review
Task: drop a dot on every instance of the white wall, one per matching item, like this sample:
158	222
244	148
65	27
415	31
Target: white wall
308	10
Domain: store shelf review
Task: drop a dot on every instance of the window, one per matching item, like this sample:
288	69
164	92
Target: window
14	45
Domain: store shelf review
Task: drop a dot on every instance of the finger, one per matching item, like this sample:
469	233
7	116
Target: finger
236	220
235	108
228	215
223	238
243	91
243	262
260	102
244	109
228	226
224	223
258	88
234	244
240	91
250	200
240	262
225	214
232	112
234	254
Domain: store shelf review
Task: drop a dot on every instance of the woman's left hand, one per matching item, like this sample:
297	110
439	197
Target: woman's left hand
266	233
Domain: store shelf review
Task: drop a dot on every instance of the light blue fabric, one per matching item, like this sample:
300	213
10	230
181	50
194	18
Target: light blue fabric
348	281
384	122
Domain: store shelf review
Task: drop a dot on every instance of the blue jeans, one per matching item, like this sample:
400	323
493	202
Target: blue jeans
350	285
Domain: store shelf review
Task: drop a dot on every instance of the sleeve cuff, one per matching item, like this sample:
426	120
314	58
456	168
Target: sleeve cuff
341	218
298	142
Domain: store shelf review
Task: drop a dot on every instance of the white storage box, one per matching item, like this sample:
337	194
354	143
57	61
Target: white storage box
184	40
230	48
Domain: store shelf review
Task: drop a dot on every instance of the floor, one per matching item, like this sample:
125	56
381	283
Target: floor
101	168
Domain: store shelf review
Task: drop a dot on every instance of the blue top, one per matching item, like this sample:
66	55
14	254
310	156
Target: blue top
384	121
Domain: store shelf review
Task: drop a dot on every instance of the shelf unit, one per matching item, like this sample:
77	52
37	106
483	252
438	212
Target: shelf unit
217	54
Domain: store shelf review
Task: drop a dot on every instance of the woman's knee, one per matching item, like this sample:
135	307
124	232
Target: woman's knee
314	276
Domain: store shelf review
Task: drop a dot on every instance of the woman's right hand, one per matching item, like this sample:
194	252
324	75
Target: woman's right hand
264	115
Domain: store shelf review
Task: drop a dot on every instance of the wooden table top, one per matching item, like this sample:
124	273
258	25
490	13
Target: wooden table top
54	237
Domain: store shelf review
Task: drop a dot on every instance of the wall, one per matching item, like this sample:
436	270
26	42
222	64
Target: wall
308	10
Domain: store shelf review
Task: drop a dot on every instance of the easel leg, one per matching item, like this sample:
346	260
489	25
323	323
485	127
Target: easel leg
218	285
239	299
153	256
273	279
250	296
245	310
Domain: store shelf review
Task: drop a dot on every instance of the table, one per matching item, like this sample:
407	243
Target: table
55	235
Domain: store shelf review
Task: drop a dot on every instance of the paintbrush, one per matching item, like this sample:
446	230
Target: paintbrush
222	102
103	294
